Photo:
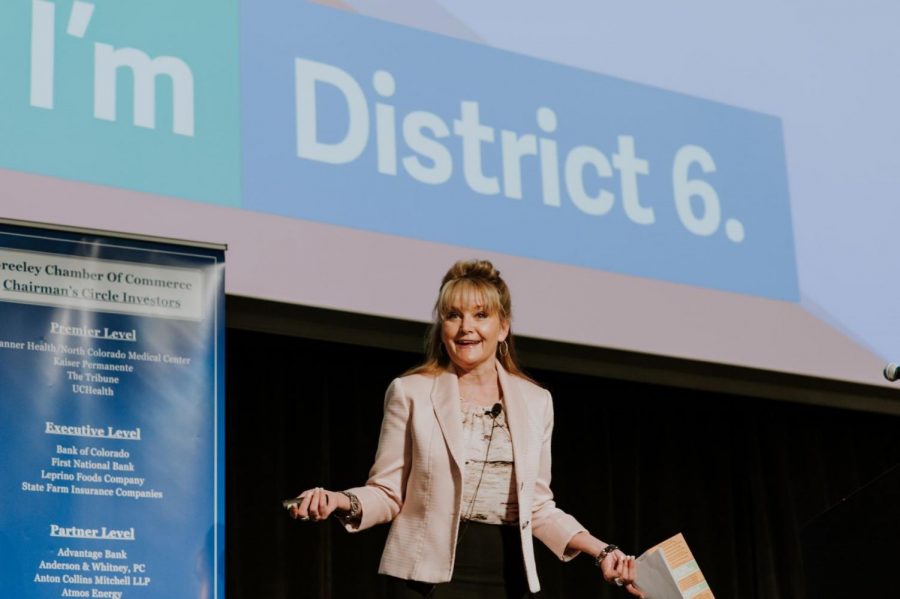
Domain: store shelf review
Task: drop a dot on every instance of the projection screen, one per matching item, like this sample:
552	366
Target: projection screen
695	180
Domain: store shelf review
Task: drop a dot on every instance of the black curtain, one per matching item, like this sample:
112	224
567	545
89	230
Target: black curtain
635	463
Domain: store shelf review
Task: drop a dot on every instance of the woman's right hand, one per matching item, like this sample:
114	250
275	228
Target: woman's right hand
317	504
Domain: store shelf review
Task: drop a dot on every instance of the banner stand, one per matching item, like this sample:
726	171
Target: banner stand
111	414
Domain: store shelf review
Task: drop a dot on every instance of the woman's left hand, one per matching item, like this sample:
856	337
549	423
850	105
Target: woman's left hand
621	570
629	574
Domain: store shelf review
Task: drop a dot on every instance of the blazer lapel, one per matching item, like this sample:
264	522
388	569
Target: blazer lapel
519	422
445	398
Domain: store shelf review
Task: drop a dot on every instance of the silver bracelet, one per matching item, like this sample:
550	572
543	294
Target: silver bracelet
355	509
603	554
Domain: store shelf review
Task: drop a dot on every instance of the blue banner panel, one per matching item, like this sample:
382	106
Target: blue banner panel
111	417
357	122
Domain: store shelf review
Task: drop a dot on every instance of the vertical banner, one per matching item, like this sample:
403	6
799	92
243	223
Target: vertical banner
111	416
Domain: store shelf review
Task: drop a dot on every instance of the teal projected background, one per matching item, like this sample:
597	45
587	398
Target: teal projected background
141	95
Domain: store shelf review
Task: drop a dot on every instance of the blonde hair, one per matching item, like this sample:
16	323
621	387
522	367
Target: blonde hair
476	280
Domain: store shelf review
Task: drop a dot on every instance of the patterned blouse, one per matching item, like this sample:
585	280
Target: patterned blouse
489	486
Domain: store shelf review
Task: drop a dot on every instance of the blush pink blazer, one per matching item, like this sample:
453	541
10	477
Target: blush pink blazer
416	481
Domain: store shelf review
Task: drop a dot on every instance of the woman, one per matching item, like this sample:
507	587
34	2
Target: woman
462	468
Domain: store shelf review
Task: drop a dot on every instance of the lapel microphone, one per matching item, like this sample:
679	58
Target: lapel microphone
494	411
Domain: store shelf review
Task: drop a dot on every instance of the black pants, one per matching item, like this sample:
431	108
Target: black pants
488	565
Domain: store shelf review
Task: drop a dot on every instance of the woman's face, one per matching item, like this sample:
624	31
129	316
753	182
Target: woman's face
471	332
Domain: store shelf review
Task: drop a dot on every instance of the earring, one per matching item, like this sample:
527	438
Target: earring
503	348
